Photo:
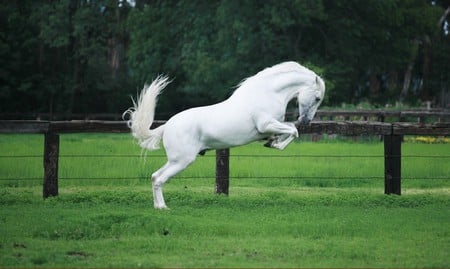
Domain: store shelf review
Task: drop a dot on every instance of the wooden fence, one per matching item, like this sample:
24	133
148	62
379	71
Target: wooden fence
432	115
391	132
384	115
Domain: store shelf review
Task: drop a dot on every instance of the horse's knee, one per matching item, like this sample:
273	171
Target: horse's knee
171	169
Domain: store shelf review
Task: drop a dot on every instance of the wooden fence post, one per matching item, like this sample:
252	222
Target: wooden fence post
51	155
392	164
222	171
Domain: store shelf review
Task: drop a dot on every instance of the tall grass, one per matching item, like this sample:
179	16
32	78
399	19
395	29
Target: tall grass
323	208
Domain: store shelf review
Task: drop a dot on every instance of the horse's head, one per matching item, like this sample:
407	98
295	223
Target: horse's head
309	99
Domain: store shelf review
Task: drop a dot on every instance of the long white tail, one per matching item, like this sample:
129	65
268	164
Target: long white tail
142	114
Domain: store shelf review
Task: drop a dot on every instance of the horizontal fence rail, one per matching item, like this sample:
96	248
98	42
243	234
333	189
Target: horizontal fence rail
381	115
419	114
391	132
316	127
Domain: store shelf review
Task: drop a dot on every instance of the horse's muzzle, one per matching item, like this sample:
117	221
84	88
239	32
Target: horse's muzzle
303	121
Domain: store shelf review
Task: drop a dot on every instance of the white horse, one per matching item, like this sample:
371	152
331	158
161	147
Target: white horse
255	111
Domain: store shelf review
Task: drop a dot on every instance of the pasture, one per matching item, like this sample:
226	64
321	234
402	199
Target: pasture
323	206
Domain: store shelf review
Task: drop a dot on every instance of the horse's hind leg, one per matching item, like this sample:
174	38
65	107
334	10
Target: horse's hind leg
170	169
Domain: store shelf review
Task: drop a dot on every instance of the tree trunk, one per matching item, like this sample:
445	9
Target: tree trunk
406	81
375	85
426	93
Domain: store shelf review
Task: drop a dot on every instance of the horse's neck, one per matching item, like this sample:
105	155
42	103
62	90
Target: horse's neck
283	86
287	86
290	92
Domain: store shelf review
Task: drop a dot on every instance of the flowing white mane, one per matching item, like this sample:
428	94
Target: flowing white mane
285	67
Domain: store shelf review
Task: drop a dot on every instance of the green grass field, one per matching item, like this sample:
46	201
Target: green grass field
324	208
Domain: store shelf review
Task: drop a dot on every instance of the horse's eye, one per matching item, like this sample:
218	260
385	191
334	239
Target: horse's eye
317	99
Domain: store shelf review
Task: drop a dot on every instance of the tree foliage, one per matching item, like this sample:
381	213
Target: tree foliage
87	56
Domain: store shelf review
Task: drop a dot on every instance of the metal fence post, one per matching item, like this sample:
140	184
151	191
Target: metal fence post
392	164
222	171
51	155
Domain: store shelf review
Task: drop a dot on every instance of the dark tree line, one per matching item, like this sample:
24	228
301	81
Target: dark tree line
89	56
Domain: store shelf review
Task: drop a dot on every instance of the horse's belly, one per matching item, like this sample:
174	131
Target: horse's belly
224	138
229	132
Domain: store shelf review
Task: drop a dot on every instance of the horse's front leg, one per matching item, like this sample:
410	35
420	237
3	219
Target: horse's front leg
279	141
284	132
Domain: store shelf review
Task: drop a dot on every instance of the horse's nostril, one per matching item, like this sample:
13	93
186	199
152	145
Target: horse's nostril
303	121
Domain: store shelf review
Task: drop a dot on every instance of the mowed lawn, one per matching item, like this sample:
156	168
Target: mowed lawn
313	205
